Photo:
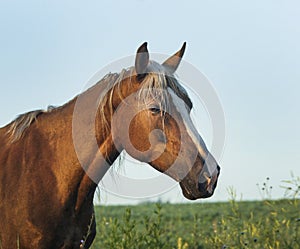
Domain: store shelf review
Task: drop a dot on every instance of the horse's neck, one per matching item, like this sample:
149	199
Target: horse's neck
84	155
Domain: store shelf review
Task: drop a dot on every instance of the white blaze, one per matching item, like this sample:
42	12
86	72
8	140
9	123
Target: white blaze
210	163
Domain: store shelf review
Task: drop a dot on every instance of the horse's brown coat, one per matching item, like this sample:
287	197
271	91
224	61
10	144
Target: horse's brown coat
40	184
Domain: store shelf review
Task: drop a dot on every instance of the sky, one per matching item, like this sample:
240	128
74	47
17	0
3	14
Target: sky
249	50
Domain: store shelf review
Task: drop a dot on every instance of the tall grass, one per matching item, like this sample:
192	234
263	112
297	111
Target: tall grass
266	224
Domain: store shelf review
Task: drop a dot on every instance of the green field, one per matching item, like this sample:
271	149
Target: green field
266	224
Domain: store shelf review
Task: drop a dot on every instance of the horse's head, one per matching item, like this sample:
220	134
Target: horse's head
153	125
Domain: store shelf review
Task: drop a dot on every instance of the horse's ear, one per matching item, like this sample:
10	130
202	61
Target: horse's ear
173	62
141	59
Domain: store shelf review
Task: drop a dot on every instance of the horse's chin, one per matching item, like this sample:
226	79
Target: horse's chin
187	192
188	195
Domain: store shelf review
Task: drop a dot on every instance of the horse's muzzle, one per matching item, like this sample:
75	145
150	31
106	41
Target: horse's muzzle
208	182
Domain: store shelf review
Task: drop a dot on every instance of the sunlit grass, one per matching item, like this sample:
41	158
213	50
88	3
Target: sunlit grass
271	224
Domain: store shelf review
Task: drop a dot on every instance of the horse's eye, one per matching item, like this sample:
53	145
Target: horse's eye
155	110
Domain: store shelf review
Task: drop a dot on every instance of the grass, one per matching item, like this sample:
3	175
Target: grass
270	224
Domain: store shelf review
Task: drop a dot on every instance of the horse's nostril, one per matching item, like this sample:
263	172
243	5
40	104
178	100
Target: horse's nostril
206	175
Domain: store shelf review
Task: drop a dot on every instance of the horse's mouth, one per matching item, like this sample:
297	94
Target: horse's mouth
193	191
196	194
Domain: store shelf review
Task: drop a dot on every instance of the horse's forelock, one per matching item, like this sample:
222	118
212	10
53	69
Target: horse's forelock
156	83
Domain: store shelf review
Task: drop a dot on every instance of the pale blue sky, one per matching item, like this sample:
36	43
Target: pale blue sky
248	49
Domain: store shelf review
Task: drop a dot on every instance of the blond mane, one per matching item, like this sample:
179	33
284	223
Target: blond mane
153	86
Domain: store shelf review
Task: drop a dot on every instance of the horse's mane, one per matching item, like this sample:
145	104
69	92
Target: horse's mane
21	123
153	86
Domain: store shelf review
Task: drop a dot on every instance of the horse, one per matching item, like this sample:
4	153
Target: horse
50	166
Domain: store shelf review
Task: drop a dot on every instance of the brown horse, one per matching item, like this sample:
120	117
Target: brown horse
50	166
